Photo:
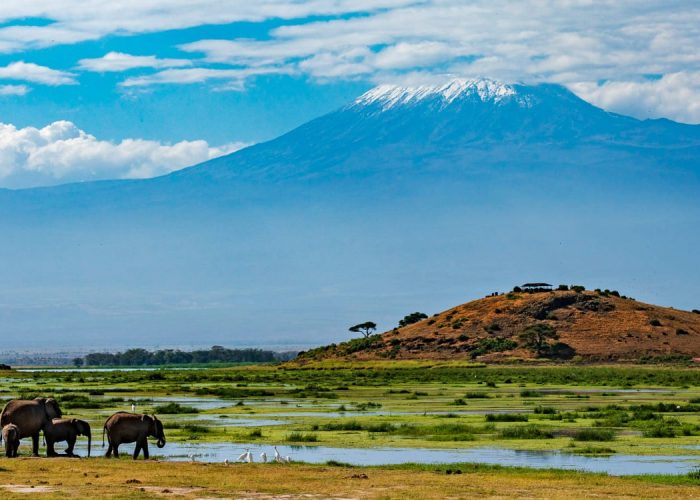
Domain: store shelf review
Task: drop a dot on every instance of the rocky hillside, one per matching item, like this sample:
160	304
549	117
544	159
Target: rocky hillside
560	324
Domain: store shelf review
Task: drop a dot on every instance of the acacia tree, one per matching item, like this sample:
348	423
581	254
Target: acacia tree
537	336
409	319
365	328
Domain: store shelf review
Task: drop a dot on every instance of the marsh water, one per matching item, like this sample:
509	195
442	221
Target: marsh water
616	465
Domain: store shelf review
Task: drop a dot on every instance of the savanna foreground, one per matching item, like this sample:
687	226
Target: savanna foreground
64	478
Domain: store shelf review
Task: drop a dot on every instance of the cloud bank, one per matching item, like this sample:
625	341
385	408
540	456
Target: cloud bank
638	58
60	152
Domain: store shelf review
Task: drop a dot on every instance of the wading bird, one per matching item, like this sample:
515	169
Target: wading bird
243	456
278	457
263	457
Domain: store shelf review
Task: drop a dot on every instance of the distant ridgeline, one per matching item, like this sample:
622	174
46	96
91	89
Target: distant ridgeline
217	354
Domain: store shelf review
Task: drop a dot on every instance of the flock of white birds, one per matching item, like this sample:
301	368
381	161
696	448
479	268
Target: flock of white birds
247	457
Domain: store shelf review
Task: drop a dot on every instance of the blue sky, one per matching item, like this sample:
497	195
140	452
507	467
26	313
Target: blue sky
96	89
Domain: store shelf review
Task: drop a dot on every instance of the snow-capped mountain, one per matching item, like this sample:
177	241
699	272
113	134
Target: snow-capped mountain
405	199
485	90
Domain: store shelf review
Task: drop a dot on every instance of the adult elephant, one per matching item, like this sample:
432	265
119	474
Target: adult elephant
31	416
123	427
66	429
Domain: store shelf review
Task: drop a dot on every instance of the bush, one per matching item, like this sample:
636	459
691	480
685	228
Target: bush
525	432
578	288
696	311
545	410
680	331
563	288
175	408
530	393
506	417
594	435
655	322
660	430
476	395
299	437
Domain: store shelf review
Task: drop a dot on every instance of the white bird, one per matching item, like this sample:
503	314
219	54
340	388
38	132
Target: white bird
287	459
263	457
226	461
133	407
278	457
243	456
249	458
192	459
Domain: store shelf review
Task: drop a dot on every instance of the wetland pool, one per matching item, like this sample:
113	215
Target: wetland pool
615	465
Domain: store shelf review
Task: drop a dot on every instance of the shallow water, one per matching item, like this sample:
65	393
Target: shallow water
616	465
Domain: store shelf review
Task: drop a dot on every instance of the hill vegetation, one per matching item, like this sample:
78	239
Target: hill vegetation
560	324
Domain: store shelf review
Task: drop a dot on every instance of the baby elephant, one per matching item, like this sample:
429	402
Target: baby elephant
10	434
66	429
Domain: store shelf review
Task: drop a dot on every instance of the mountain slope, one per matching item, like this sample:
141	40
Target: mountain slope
588	324
404	198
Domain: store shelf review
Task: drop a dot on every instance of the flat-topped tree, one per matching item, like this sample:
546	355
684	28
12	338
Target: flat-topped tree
365	328
537	336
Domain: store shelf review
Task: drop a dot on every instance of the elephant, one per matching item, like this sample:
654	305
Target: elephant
10	433
31	416
66	429
124	427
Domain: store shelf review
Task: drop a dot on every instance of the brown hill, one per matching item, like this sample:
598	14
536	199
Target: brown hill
592	325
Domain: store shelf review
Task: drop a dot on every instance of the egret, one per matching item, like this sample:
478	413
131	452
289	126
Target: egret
133	407
243	456
226	461
191	456
278	457
263	457
287	459
249	457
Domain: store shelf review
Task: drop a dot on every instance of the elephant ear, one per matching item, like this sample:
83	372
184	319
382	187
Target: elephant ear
74	421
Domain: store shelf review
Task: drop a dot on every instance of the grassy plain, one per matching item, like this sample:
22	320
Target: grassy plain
594	410
102	478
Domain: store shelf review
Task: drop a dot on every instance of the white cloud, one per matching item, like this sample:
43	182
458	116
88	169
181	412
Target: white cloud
235	77
675	94
61	152
118	61
30	72
570	42
81	20
13	89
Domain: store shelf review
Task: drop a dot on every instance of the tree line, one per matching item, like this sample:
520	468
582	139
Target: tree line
216	354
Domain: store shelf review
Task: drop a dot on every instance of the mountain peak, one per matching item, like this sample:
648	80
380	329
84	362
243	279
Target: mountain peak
482	89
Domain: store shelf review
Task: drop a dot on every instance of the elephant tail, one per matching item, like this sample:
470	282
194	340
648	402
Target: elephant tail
104	429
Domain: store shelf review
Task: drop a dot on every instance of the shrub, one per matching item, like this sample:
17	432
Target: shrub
506	417
175	408
545	410
487	345
525	432
530	393
680	331
660	430
409	319
594	435
476	395
655	322
578	288
517	289
299	437
563	288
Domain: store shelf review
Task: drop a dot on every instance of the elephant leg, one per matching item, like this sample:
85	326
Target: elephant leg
35	445
50	450
116	450
145	450
71	445
137	450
